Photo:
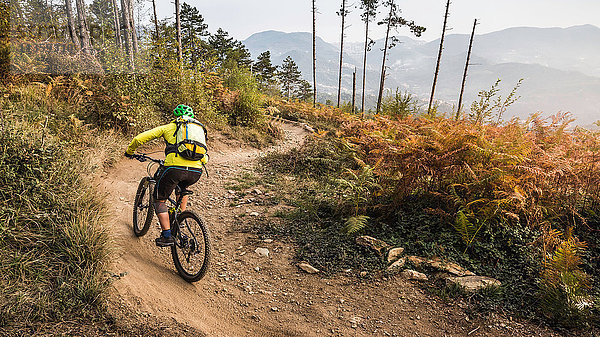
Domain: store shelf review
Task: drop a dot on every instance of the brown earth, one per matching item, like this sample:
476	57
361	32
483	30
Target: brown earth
245	294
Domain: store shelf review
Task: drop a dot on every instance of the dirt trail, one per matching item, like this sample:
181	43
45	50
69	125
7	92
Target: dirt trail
245	294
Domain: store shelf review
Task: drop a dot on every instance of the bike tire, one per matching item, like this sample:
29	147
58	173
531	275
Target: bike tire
190	244
143	208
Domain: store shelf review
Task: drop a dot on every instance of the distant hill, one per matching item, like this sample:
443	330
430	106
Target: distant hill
560	66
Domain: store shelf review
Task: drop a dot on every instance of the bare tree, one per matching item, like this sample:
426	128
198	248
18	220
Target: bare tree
395	21
116	23
178	24
155	19
84	35
132	25
353	89
464	79
314	13
71	22
369	11
343	12
439	58
127	33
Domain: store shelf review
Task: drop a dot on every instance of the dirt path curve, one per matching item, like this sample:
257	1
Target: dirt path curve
245	294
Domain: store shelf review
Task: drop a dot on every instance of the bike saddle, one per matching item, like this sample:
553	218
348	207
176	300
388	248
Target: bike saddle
187	192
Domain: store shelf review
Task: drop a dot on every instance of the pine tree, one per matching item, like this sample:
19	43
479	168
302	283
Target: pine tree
228	52
193	29
219	44
288	76
263	68
304	91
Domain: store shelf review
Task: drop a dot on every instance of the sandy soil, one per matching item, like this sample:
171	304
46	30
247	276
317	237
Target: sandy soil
245	294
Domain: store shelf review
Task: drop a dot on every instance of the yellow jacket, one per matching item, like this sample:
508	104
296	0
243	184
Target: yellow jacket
167	132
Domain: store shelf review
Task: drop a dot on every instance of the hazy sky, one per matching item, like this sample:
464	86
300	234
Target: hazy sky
242	18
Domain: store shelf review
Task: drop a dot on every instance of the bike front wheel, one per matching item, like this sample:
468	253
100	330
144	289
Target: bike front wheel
192	249
142	207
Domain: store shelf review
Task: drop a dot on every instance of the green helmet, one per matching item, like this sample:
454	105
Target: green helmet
183	110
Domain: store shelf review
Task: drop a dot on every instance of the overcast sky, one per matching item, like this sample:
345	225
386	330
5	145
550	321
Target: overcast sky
242	18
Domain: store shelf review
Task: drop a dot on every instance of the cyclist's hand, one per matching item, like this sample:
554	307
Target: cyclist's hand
130	156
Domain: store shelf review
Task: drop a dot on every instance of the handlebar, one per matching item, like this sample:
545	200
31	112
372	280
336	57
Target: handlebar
142	158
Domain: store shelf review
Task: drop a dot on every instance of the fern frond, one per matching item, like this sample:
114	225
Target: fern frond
356	224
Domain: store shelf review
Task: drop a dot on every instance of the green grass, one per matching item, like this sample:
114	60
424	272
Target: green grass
54	251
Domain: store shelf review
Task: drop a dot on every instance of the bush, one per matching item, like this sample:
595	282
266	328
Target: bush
400	105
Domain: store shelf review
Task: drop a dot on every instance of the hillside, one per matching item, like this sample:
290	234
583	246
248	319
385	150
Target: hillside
559	66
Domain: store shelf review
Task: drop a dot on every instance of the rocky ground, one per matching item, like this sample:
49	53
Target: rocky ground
254	286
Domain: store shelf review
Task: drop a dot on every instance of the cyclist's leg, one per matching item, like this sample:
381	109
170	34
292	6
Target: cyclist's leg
190	178
165	185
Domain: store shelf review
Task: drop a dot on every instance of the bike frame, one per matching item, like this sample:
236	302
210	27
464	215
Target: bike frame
175	205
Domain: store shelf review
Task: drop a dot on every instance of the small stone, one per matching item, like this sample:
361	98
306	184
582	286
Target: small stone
122	198
363	273
355	321
230	191
394	254
473	283
254	214
274	309
257	268
257	191
262	252
375	244
397	265
308	268
268	240
413	275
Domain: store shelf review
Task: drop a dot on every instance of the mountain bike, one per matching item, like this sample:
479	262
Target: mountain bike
192	249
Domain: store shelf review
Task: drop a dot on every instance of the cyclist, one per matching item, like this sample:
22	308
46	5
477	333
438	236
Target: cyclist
178	171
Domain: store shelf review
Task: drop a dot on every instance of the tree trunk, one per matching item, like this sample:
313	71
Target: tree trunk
439	58
155	19
71	22
339	96
462	87
117	24
52	23
353	89
364	74
314	10
84	35
132	25
385	48
127	33
178	24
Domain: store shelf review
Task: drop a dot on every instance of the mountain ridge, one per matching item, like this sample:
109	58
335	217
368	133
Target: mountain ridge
567	57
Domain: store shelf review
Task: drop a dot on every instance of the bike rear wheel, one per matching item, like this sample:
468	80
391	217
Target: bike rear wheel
142	207
192	249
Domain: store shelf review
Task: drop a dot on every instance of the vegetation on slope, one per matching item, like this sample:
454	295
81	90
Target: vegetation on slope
515	200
